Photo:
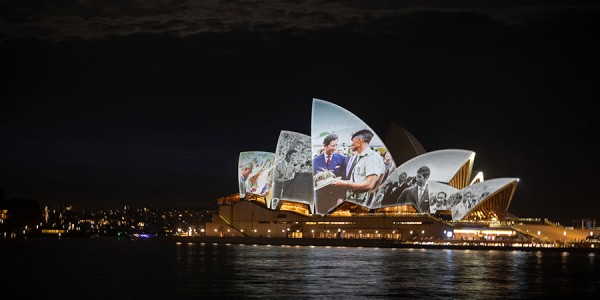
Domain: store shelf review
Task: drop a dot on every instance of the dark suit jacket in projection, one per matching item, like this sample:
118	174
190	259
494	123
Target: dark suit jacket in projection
393	193
297	189
349	166
410	197
337	164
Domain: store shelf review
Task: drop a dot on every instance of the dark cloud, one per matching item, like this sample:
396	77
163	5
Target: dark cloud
100	19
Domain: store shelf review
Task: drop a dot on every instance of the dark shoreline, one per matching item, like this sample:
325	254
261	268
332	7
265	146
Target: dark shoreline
378	243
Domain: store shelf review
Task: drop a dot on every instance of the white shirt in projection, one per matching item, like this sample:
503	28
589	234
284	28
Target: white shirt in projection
369	162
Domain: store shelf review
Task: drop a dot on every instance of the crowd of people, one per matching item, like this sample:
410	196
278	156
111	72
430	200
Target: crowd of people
416	191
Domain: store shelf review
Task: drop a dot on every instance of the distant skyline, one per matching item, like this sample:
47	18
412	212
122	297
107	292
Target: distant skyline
149	104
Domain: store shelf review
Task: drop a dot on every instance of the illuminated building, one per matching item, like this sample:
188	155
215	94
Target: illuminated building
285	194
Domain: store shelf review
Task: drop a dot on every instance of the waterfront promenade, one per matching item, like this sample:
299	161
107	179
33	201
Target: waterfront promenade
386	243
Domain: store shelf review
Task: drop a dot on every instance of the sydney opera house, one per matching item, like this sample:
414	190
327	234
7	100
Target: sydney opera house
343	181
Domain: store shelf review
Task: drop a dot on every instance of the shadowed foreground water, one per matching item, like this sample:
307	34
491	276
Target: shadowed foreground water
150	269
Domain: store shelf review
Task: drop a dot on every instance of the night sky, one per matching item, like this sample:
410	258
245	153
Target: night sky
149	103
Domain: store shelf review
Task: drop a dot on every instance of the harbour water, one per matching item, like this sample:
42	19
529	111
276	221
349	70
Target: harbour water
110	268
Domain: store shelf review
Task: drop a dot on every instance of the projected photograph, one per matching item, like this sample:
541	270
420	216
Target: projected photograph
469	197
443	163
388	193
255	173
435	195
440	196
292	177
350	162
414	189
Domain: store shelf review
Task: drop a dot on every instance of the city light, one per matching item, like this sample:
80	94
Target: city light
478	233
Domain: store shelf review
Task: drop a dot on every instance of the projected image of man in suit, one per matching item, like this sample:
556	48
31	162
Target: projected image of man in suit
330	159
418	194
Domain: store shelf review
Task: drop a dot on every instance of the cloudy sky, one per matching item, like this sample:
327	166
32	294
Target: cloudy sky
106	103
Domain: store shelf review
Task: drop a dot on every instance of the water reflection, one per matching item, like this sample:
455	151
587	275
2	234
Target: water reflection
319	272
113	269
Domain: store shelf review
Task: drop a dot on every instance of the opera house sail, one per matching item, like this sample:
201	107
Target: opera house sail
344	168
358	162
292	178
255	173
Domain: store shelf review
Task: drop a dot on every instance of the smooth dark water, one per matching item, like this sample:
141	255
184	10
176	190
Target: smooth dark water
153	269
